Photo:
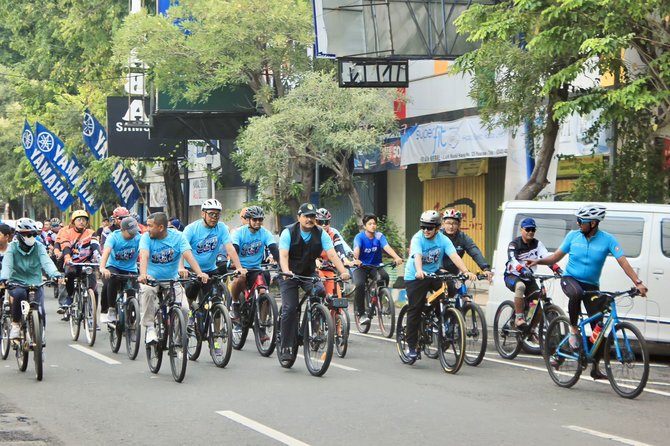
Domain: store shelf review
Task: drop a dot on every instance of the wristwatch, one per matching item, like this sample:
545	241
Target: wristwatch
638	282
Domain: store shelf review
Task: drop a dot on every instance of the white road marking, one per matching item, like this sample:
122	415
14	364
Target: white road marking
261	428
340	366
606	436
95	354
365	335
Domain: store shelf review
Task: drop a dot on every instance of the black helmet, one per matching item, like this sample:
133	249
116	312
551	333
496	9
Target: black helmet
431	218
254	212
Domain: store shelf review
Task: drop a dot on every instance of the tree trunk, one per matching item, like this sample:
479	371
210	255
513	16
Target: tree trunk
538	179
175	196
348	187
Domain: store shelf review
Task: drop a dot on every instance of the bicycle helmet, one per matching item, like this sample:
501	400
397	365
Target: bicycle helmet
55	222
430	218
120	212
77	214
26	226
254	212
591	212
452	213
323	214
211	205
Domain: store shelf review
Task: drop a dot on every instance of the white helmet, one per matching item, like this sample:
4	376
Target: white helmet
211	204
26	226
591	212
430	218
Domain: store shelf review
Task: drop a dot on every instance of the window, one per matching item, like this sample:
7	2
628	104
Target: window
665	237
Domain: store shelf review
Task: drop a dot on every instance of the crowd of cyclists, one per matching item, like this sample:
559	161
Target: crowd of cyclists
163	250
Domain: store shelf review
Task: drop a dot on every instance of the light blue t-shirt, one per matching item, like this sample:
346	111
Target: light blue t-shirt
252	245
587	257
285	239
164	254
206	242
370	249
124	252
431	250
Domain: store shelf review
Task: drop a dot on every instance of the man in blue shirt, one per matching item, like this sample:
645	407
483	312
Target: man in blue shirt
300	244
368	247
161	250
588	247
427	250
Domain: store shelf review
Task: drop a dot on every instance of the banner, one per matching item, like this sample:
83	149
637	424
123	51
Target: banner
446	141
58	191
53	150
386	158
122	181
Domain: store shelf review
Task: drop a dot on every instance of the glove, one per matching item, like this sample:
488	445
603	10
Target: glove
526	273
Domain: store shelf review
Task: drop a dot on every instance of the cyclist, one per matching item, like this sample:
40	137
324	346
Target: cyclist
79	245
161	250
518	276
463	243
323	217
6	235
50	236
23	262
300	244
118	215
176	224
588	248
205	237
427	249
119	256
46	227
368	246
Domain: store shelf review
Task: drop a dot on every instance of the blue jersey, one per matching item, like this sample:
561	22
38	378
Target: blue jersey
252	245
285	239
587	257
206	242
124	252
431	250
370	249
164	254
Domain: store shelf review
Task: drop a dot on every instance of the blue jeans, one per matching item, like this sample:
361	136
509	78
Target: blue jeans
20	294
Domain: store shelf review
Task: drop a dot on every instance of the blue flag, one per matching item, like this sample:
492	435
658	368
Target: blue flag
122	181
53	149
54	186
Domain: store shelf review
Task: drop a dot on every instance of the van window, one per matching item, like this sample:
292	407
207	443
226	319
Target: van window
665	237
552	229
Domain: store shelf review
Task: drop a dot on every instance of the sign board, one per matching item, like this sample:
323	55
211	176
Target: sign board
198	193
365	73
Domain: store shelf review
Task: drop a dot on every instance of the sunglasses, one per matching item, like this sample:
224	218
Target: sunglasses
530	229
323	222
582	221
427	228
257	219
28	235
213	214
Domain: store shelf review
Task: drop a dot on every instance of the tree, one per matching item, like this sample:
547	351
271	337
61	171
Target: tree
317	122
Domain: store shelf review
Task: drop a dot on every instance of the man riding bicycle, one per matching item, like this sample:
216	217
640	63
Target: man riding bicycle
23	263
368	246
463	243
588	248
427	249
300	244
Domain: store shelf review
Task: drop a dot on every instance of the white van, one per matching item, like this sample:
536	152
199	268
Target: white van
643	230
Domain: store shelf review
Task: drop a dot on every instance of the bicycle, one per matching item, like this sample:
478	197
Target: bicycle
476	331
170	326
619	340
5	324
337	305
539	312
84	307
258	311
317	336
128	317
378	301
31	336
441	328
211	321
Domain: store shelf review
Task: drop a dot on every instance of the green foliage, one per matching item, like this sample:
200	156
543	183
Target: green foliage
350	229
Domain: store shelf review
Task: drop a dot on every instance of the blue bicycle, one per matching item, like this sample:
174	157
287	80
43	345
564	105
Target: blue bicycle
625	350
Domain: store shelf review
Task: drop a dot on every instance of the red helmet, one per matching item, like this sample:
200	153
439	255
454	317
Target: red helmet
120	212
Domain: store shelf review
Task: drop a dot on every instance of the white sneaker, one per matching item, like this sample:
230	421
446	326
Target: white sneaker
111	315
103	318
15	332
151	336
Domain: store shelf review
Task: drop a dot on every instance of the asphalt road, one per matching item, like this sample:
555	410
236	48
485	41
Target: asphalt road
92	396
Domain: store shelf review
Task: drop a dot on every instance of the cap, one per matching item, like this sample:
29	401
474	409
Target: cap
307	209
528	223
175	223
130	224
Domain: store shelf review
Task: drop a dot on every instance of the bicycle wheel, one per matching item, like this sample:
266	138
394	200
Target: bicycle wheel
452	341
241	326
133	327
6	327
476	334
115	332
505	334
22	349
386	312
265	321
551	312
177	344
318	340
627	371
401	336
195	336
90	316
288	363
220	335
363	327
74	313
563	364
431	340
35	327
341	322
155	349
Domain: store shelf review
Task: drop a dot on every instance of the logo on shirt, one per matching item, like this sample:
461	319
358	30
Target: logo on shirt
125	254
165	255
369	250
251	249
432	256
207	245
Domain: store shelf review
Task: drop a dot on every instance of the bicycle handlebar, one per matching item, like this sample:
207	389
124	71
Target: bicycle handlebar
310	279
23	285
546	276
92	265
381	265
447	276
611	295
125	276
154	282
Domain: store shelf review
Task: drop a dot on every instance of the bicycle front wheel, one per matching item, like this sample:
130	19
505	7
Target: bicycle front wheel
220	335
563	363
265	323
318	340
626	360
133	327
74	315
476	334
177	344
341	321
22	349
6	343
363	327
505	334
115	332
386	312
451	343
90	317
35	327
195	336
401	336
551	312
155	349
